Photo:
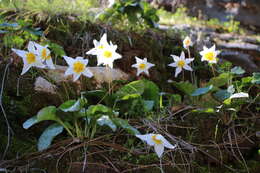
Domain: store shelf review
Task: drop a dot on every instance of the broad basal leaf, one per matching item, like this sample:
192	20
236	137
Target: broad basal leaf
237	70
105	120
220	80
201	91
185	87
47	113
125	125
30	122
71	106
98	109
48	135
133	88
256	78
221	95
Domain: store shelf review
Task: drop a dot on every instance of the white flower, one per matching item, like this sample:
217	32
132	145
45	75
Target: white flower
30	58
209	54
44	53
77	67
107	55
187	42
142	66
158	141
181	63
106	52
99	45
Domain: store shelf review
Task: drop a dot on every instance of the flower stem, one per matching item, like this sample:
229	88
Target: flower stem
161	168
109	79
213	70
192	75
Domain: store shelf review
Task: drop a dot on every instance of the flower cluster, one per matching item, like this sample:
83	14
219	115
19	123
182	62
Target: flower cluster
40	56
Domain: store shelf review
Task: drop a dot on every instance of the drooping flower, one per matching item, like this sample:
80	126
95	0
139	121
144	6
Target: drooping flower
44	53
187	42
77	67
181	63
30	58
142	66
158	141
99	45
107	55
209	54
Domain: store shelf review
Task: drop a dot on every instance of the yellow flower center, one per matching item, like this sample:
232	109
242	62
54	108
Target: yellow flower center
209	56
157	141
107	54
78	67
187	42
142	66
44	55
30	57
101	47
181	63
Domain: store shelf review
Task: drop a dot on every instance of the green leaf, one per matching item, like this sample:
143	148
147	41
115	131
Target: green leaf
125	125
201	91
47	113
130	96
222	95
48	135
148	105
98	109
256	78
105	120
30	122
206	110
237	70
247	80
220	80
185	87
151	91
57	49
135	87
176	98
71	106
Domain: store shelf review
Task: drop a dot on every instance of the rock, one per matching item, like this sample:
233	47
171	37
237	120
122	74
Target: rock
43	85
245	11
101	74
239	45
240	59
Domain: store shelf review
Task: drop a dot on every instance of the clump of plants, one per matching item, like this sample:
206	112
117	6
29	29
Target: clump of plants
84	119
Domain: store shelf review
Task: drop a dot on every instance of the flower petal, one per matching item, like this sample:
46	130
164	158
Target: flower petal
175	58
174	64
187	67
31	47
188	60
177	71
159	150
167	143
26	67
76	77
69	71
20	53
50	64
87	73
182	55
147	138
69	60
